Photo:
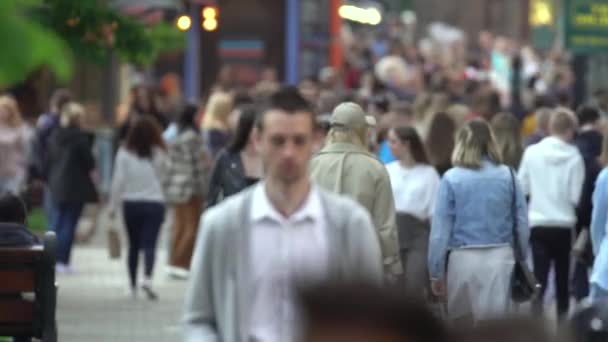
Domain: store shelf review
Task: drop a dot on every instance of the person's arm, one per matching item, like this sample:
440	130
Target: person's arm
85	153
577	178
433	190
441	230
118	181
215	185
161	163
384	218
599	213
199	161
524	174
521	208
369	263
199	315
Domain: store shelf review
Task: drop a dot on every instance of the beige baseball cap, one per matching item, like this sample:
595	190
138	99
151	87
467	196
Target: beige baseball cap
351	115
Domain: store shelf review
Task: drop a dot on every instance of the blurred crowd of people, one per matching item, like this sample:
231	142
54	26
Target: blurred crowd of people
422	166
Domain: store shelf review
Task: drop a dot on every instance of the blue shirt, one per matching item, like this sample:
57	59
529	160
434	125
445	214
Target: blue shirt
599	276
384	153
473	209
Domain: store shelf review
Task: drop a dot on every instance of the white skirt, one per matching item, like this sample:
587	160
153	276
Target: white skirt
478	283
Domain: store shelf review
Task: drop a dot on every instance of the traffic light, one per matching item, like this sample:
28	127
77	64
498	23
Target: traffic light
210	14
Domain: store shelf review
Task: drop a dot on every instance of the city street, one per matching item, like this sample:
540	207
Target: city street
93	304
327	170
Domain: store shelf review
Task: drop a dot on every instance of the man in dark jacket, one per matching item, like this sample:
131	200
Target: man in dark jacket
589	143
13	232
47	123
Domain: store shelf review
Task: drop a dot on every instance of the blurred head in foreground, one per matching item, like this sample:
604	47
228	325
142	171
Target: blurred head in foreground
505	330
357	313
591	323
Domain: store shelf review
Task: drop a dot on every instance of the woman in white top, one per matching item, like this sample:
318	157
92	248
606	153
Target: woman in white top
13	146
415	184
138	171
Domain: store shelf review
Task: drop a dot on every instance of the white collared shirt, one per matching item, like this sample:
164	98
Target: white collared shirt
284	251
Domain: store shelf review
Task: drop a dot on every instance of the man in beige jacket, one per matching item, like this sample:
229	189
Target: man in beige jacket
345	166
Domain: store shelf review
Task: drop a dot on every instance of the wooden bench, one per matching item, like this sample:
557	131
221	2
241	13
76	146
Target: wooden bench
29	270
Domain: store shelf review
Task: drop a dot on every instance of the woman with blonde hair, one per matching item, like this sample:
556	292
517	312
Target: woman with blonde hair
13	146
480	205
507	130
216	122
70	165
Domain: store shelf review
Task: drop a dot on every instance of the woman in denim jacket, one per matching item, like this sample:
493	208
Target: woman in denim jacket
473	223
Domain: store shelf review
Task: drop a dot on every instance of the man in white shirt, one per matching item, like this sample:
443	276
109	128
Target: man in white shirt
552	174
255	247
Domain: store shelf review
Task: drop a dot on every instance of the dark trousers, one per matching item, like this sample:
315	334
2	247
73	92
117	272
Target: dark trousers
64	221
551	245
580	281
143	221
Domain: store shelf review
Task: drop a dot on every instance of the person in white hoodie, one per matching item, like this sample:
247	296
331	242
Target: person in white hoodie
552	174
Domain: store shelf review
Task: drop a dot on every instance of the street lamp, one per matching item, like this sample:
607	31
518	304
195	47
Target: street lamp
210	14
184	22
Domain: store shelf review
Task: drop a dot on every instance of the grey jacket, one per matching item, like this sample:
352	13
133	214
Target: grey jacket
218	299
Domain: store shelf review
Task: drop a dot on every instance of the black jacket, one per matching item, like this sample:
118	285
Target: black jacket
16	235
589	144
70	164
227	178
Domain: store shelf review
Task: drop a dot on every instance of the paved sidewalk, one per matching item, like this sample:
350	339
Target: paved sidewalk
93	306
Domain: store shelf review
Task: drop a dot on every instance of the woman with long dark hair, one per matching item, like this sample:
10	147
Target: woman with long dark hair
507	130
414	183
185	188
440	142
238	166
142	104
139	168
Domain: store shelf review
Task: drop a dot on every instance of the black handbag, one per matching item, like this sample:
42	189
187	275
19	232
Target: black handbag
524	286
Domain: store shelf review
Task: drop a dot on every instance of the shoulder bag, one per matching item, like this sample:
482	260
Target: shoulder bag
524	286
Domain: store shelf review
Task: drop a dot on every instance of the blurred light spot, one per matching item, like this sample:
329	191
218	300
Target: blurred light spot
184	22
210	24
369	16
209	12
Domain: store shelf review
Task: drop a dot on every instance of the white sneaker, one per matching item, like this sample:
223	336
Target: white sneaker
60	268
69	269
131	293
178	273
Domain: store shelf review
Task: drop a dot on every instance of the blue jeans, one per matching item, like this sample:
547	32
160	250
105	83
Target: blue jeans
47	205
143	221
65	218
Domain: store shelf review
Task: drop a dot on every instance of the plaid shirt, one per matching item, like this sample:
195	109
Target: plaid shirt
187	169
